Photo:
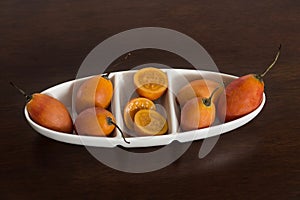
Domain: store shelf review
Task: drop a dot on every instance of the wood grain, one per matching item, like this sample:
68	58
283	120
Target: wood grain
43	43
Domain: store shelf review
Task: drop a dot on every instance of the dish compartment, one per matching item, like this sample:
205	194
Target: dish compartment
181	78
66	93
125	91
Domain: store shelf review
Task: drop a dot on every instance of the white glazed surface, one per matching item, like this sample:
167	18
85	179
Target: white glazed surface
123	91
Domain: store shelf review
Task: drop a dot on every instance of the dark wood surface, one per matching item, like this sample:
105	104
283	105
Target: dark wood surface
43	43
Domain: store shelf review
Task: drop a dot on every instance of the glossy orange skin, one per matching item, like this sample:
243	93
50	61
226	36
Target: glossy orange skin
242	96
50	113
198	88
93	122
94	92
195	114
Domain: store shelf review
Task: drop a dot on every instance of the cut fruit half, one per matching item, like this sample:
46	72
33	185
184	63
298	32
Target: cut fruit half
150	122
133	106
150	82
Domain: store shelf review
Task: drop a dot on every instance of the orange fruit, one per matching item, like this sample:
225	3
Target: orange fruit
198	88
49	112
242	96
133	106
94	92
150	122
94	122
150	82
197	113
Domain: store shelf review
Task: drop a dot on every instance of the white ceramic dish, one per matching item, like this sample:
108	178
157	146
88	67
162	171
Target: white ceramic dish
123	91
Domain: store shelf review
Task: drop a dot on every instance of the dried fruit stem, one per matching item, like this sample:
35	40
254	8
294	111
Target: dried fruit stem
272	64
105	75
27	97
207	101
126	57
111	122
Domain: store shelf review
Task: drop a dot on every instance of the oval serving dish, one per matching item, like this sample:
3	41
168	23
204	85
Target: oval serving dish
124	90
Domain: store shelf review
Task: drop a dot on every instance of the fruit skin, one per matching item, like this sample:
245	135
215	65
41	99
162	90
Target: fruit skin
150	82
198	88
152	96
93	122
133	106
94	92
50	113
149	122
195	114
242	96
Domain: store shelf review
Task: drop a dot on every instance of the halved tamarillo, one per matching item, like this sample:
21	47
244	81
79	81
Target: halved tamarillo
133	106
149	123
150	82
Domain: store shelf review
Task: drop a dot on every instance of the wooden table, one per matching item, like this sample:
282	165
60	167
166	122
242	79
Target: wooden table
43	43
